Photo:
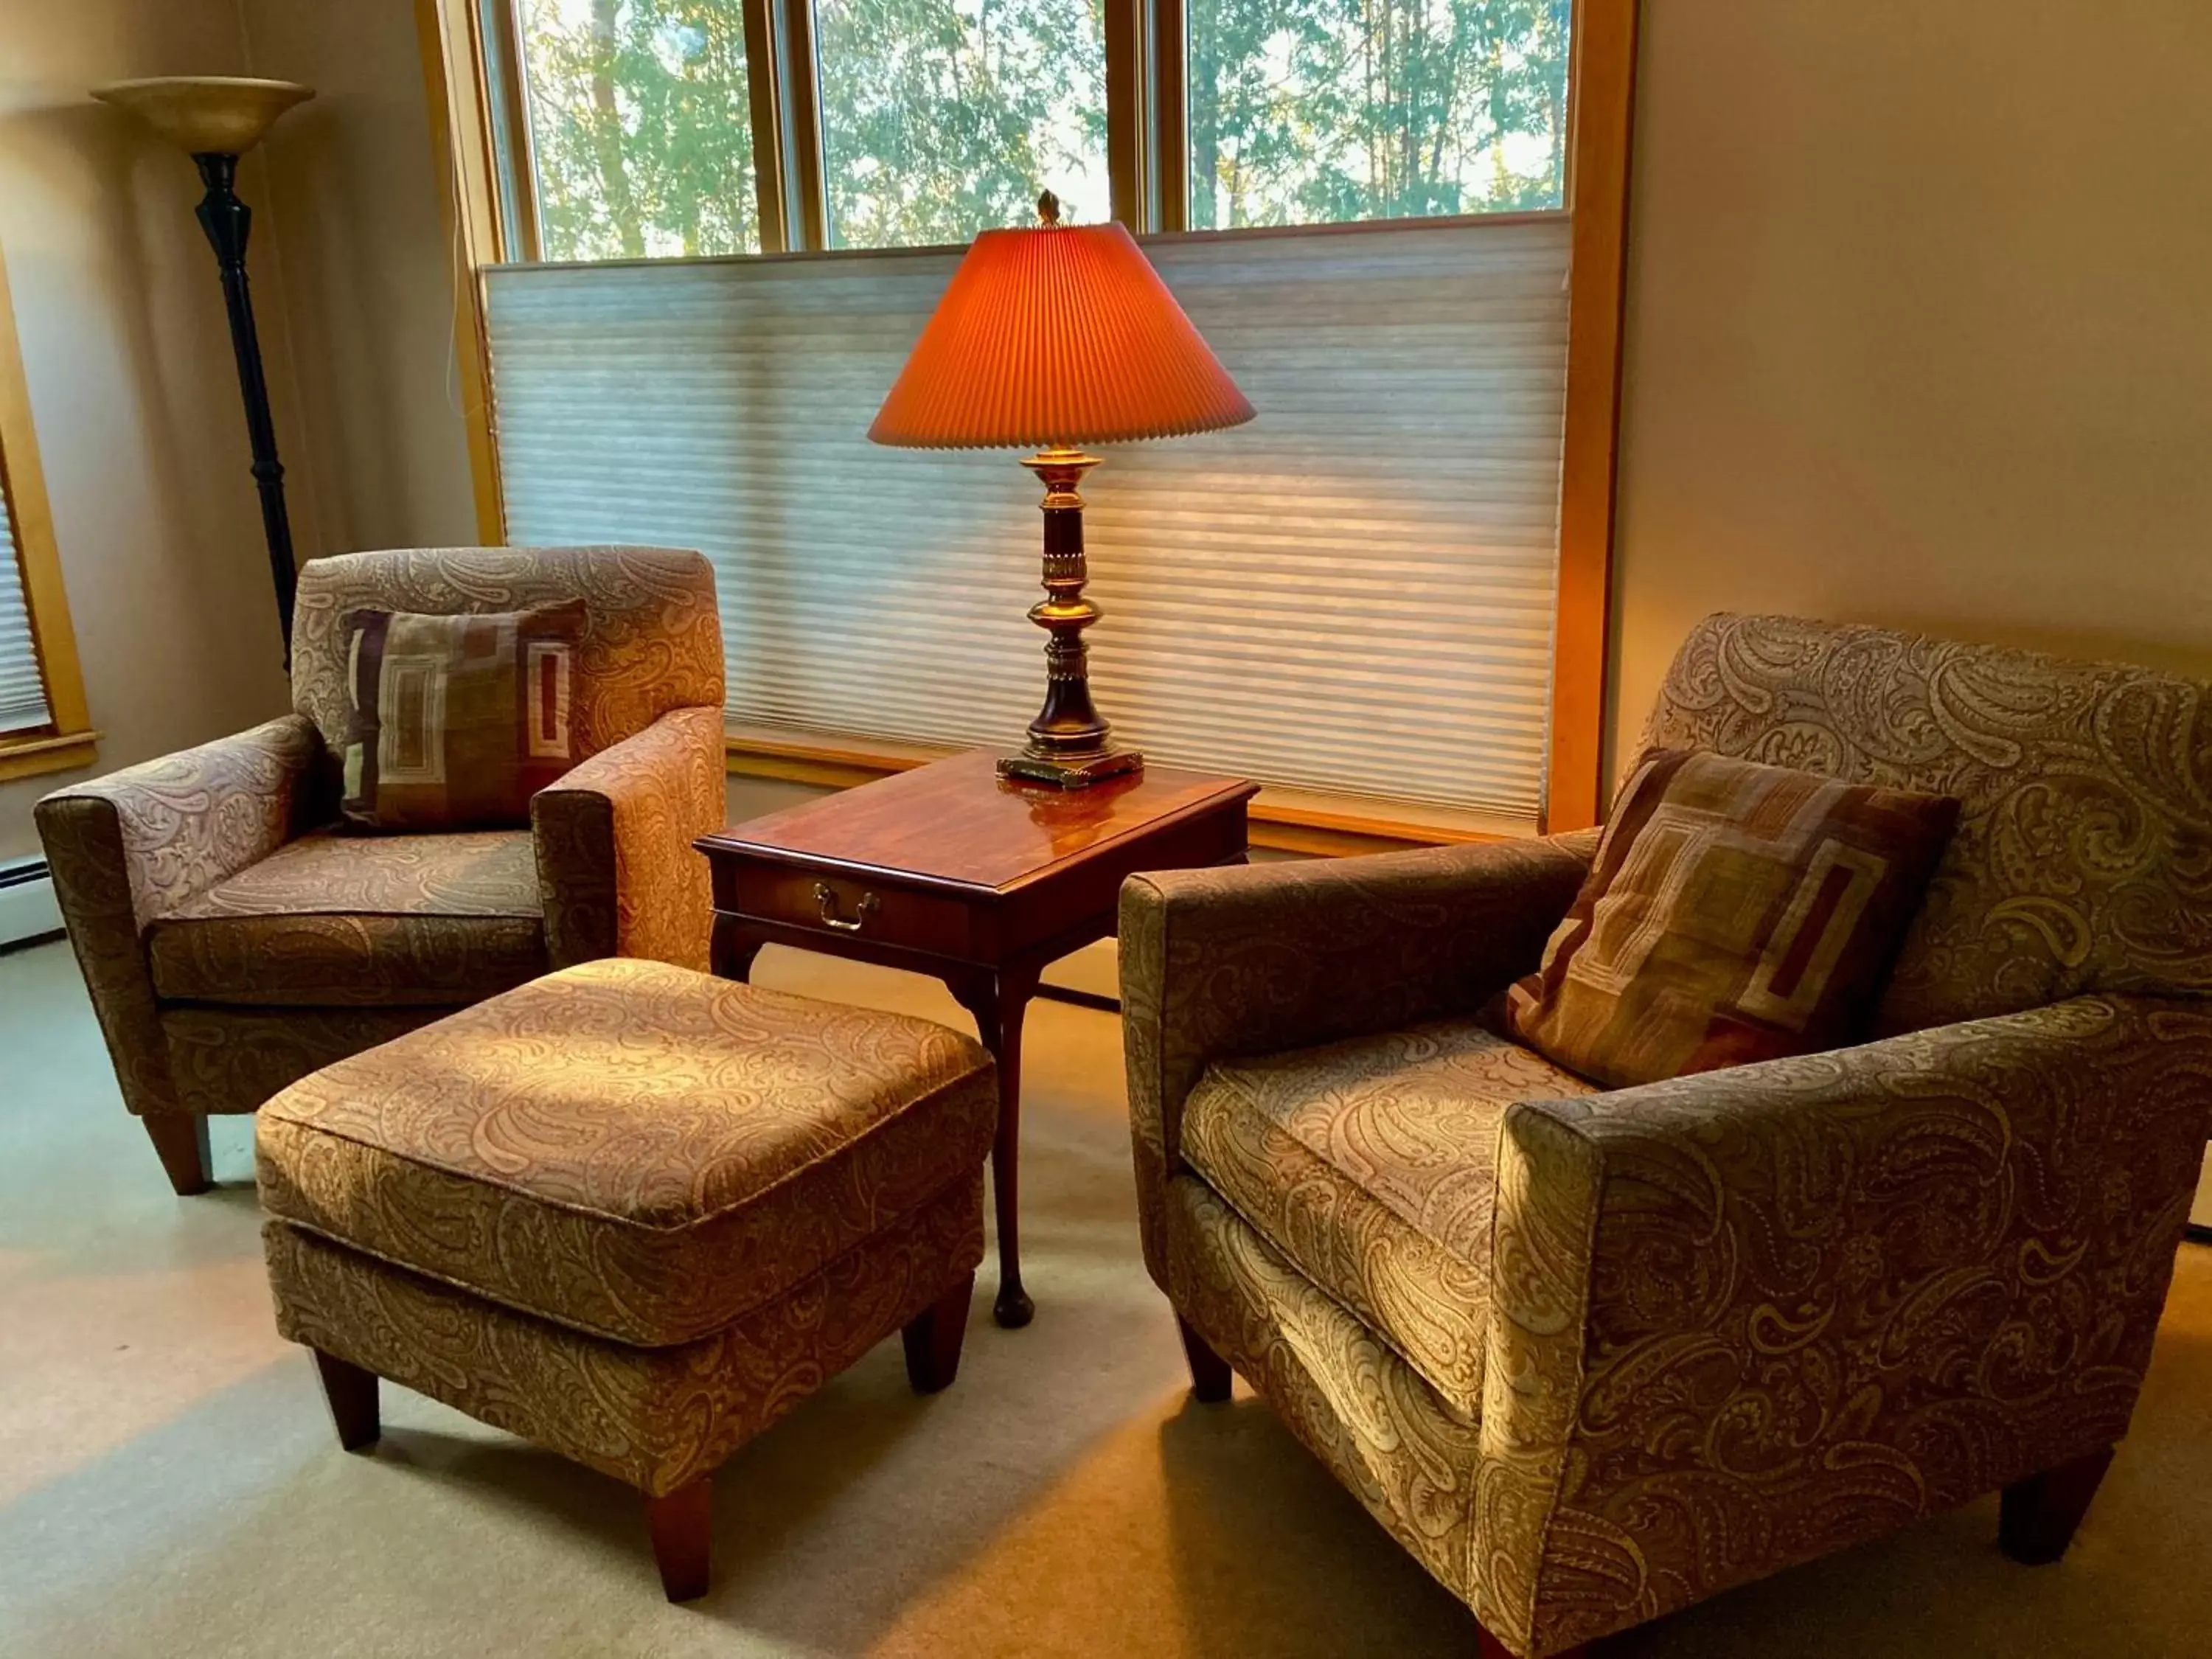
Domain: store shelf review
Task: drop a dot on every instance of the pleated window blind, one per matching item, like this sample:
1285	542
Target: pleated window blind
1351	596
22	693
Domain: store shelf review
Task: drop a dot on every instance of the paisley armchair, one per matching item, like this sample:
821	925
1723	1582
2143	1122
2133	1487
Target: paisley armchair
232	943
1592	1357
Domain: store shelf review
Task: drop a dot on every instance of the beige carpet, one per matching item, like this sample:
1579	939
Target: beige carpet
169	1484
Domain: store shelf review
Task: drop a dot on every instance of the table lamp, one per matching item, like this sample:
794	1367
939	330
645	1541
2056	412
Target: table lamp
1050	337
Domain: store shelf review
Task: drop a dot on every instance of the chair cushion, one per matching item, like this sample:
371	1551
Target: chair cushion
628	1148
1736	911
457	720
332	921
1371	1166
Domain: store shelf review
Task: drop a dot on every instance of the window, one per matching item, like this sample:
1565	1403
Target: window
1312	112
940	118
640	128
1351	597
43	725
1385	598
22	688
649	129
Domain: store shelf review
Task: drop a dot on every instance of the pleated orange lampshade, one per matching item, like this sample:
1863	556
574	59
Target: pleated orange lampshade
1063	334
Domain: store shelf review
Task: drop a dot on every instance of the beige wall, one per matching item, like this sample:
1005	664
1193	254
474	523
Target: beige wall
1920	324
358	222
132	390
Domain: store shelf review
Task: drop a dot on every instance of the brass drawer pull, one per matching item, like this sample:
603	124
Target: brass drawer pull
826	898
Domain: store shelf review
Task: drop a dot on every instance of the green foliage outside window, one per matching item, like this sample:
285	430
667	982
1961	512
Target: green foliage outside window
640	119
1310	111
941	117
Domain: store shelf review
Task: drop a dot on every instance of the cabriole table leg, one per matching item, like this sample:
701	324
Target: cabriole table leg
998	1002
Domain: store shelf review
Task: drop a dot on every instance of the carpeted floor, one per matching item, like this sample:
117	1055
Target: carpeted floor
169	1484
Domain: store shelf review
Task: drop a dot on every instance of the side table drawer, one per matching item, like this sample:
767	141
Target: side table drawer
848	907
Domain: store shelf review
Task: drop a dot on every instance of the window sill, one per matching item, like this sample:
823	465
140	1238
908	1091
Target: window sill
1286	820
29	758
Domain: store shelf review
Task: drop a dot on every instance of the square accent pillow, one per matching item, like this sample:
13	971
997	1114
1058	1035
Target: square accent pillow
457	720
1736	911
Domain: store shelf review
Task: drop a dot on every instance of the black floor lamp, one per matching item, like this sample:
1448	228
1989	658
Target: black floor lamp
216	119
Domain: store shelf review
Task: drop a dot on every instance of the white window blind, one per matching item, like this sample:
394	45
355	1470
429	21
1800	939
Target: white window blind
1351	595
22	693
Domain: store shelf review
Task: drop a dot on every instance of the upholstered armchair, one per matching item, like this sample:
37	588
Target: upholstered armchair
233	941
1592	1357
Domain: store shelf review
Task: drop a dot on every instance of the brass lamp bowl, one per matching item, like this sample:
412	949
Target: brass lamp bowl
206	114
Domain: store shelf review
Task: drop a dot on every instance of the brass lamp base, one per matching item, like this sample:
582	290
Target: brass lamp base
1071	771
1069	744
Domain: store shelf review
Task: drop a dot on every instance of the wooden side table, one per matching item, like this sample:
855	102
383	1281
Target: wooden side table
950	871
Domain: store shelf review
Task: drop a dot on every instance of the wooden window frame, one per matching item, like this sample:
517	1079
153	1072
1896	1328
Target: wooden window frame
67	741
468	45
1601	101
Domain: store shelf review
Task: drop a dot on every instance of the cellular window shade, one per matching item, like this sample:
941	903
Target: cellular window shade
22	692
1352	594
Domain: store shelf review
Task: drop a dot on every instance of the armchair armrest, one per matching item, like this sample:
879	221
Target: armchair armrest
1255	959
138	844
615	860
1747	1317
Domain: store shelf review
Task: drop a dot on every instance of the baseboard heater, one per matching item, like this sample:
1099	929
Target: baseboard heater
29	914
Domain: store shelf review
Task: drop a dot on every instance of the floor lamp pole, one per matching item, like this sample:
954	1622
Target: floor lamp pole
215	119
228	223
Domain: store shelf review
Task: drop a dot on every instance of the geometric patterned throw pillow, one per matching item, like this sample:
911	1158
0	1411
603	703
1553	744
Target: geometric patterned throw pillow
457	720
1735	912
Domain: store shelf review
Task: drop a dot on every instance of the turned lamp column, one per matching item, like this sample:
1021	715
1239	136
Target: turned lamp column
1068	740
1048	338
216	119
228	223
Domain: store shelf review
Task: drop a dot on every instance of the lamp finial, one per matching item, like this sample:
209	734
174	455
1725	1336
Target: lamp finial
1048	209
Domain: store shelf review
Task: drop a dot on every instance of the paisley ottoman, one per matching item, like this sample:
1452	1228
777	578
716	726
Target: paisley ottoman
630	1213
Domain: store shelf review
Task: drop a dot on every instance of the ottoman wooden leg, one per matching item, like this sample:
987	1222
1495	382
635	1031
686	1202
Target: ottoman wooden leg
351	1393
682	1524
932	1338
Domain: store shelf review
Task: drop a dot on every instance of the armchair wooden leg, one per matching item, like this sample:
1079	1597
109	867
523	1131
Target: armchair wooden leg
182	1143
351	1393
933	1336
1209	1371
682	1525
1489	1647
2036	1516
